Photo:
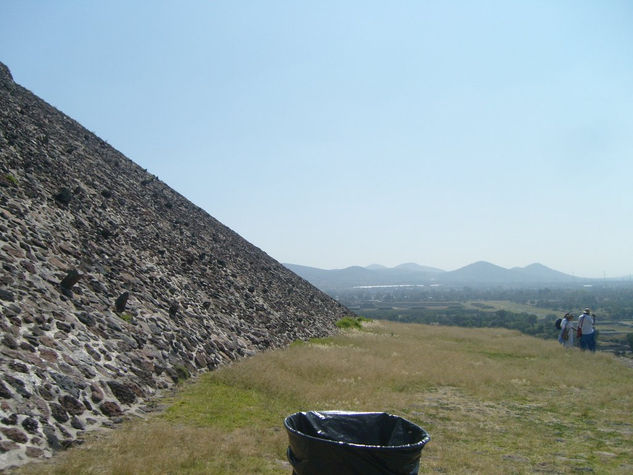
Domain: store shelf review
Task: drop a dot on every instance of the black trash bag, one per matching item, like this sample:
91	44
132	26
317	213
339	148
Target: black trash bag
361	443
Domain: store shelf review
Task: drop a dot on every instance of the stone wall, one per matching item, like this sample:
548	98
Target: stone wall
113	286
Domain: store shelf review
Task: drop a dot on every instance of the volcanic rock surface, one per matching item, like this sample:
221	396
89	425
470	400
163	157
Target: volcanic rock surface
113	286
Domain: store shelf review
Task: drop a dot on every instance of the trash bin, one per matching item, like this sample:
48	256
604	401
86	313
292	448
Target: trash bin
361	443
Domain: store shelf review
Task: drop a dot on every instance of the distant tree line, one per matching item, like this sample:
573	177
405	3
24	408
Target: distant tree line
609	302
470	318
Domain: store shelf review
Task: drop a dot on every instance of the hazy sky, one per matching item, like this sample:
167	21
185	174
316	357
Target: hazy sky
338	133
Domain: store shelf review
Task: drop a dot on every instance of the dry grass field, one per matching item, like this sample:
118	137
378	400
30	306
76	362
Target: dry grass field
493	401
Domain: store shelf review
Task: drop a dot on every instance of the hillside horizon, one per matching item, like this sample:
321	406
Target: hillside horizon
414	266
477	273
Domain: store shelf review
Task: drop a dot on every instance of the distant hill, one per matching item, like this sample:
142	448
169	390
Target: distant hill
375	267
412	267
336	278
486	273
355	276
477	274
481	272
543	273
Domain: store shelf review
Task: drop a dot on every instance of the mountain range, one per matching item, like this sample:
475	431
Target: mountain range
477	274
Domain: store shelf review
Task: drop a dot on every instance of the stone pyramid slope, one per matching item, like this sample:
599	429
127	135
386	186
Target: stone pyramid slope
114	286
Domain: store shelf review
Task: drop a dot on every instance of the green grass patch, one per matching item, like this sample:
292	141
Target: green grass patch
351	322
182	372
11	179
125	317
211	403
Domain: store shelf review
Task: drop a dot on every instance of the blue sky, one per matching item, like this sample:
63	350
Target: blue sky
338	133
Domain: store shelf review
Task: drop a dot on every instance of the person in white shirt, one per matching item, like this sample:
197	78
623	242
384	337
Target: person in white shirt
567	331
586	331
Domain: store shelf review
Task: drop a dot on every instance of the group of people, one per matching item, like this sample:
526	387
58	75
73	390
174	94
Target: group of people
583	330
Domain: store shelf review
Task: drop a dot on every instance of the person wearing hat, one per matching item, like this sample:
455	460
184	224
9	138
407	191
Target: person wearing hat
586	331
